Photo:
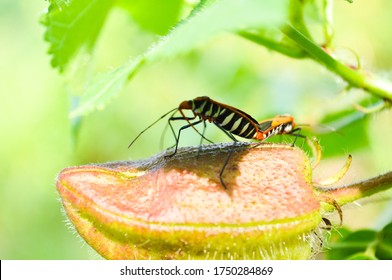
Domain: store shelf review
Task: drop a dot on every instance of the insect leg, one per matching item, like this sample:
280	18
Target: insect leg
202	134
298	130
172	129
190	125
179	133
201	138
228	156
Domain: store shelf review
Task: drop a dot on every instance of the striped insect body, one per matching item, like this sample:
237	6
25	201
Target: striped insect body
224	116
281	124
230	120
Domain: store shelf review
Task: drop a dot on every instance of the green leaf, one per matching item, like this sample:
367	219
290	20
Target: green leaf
361	256
296	15
103	87
384	247
355	243
345	128
156	16
361	244
71	25
352	134
221	16
225	15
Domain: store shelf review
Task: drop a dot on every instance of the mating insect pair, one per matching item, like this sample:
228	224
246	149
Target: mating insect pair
230	120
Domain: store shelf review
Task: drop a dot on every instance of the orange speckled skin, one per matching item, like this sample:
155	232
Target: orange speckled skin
176	208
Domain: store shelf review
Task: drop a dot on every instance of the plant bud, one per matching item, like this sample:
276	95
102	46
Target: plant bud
177	208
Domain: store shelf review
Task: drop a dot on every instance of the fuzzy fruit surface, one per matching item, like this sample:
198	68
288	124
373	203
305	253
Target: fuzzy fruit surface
176	208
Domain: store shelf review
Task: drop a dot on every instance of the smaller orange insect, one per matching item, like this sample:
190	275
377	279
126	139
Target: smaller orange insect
278	125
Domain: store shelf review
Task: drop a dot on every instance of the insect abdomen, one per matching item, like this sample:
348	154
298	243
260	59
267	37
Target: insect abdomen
230	120
235	123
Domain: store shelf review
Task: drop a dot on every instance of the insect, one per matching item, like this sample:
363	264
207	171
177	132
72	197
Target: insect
230	120
278	125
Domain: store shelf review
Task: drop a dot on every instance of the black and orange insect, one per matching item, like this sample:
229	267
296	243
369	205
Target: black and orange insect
230	120
278	125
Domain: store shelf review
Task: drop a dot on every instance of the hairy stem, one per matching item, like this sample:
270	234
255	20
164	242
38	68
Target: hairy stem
305	48
352	192
355	77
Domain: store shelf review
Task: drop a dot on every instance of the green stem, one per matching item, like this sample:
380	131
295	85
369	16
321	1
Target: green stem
296	16
350	193
355	77
288	50
328	26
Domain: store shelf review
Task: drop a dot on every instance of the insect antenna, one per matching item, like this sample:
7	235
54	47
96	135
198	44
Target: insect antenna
144	130
319	128
324	128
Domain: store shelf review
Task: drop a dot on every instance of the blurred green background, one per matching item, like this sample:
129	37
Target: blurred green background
38	139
